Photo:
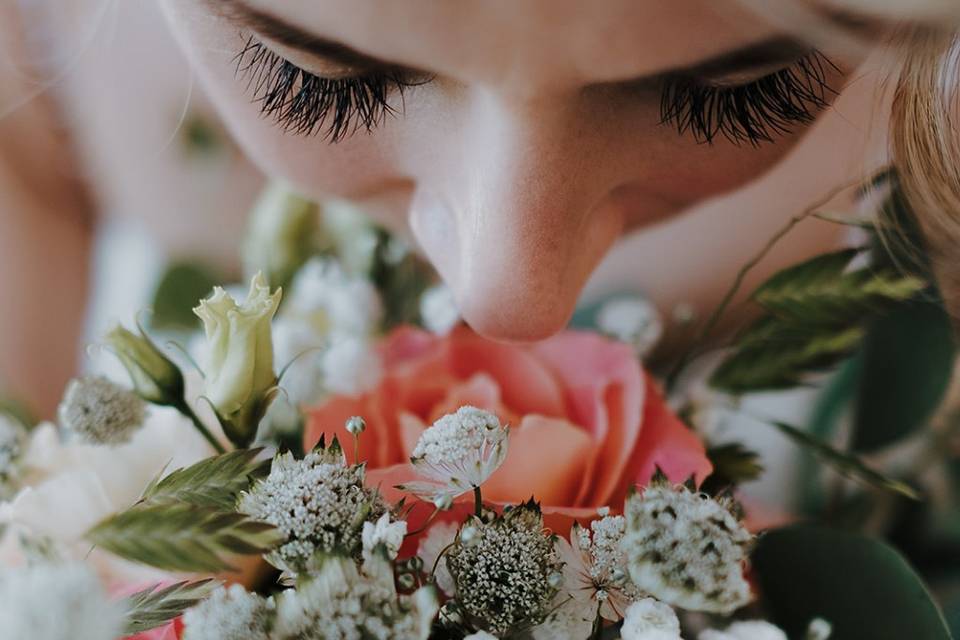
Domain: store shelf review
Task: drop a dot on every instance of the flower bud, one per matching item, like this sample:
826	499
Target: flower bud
282	235
240	379
154	377
356	425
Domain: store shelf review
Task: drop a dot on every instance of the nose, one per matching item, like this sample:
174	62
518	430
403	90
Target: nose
515	211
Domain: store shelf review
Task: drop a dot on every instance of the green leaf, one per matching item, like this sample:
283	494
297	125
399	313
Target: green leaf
183	537
214	482
177	293
157	605
864	588
846	464
908	360
733	464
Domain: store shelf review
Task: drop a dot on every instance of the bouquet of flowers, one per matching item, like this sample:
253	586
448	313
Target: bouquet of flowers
399	476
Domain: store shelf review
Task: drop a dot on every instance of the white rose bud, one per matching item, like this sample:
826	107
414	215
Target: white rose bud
240	379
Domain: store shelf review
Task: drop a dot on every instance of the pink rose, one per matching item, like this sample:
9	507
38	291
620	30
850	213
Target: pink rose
586	422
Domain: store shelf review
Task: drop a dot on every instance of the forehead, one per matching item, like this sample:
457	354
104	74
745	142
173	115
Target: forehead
554	40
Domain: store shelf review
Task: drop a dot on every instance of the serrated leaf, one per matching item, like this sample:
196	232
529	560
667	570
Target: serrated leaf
183	537
848	465
214	481
779	355
157	605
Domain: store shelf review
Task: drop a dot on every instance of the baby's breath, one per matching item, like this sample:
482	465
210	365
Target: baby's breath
229	614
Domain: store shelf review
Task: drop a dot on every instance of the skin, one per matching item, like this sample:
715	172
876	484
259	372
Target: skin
525	158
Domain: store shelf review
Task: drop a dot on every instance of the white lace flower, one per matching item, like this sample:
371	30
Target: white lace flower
507	573
350	365
319	503
631	319
745	630
99	411
342	603
649	619
229	614
686	549
594	567
438	310
55	602
13	442
439	537
458	453
385	534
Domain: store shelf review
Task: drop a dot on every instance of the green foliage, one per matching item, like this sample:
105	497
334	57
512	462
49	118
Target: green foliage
733	464
183	537
156	605
401	281
815	317
177	293
847	464
864	588
907	363
214	482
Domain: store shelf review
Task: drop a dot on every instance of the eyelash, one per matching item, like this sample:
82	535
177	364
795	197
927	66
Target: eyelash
754	112
335	108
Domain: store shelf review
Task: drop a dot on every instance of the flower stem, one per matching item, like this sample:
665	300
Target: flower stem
477	502
187	411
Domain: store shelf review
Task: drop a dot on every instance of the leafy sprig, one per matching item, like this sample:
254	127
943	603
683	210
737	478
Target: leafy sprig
215	482
157	605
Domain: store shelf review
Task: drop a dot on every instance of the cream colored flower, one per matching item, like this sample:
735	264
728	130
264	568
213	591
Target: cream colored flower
240	371
383	533
155	378
648	619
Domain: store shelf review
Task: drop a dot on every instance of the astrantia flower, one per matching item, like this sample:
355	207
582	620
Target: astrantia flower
745	630
229	614
631	319
100	412
686	549
319	503
439	537
342	603
649	619
595	567
13	441
55	602
383	534
507	572
458	453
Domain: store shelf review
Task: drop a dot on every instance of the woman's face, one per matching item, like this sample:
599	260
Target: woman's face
515	140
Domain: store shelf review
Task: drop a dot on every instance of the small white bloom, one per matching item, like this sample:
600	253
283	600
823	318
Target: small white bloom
649	619
355	425
631	319
13	441
100	412
458	453
745	630
481	635
333	300
353	235
350	366
438	309
686	549
229	614
383	532
819	629
55	602
240	361
438	540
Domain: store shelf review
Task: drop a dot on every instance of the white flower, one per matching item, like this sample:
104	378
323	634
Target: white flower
569	618
649	619
240	360
333	301
383	532
819	629
341	603
66	488
298	348
594	567
631	319
507	573
746	630
56	602
13	441
481	635
229	614
319	503
99	411
282	233
354	237
458	453
350	366
438	539
686	549
438	309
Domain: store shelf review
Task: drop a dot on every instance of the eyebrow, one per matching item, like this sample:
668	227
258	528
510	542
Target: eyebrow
779	49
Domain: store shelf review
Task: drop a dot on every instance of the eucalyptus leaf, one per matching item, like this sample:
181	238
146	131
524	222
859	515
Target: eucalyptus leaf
183	537
861	586
157	605
214	481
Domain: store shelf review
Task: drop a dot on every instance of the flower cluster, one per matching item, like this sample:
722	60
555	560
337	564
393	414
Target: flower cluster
319	503
13	439
101	412
229	614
